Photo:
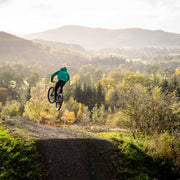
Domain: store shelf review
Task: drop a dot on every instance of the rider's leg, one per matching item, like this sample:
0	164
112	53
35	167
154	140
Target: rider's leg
62	85
56	88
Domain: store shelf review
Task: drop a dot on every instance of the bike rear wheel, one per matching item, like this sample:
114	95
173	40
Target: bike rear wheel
51	94
59	102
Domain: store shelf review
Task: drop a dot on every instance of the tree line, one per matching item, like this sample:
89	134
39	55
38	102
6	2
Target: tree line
145	101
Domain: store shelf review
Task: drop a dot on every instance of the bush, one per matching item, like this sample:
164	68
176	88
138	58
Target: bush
18	160
145	158
150	112
12	108
165	148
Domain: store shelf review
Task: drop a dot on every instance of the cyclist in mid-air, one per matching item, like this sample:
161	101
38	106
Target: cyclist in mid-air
63	77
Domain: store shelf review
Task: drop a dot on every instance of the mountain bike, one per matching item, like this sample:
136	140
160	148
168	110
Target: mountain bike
51	97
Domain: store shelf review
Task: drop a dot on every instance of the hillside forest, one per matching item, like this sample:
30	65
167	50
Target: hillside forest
127	92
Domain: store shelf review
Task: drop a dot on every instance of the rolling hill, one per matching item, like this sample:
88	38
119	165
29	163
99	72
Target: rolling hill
98	38
10	43
59	45
16	49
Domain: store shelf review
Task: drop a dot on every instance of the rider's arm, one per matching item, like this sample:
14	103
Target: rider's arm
54	74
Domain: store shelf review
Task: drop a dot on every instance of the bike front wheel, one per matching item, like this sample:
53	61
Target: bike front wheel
51	95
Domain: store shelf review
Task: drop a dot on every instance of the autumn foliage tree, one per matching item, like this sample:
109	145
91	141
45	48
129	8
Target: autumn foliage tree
151	112
38	103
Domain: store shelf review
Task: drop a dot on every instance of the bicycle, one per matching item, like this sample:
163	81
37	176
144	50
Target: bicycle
51	96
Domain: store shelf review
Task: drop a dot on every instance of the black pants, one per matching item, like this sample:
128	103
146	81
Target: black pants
59	84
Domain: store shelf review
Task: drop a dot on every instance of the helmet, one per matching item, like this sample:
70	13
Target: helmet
65	68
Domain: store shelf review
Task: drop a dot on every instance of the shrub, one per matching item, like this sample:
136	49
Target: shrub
165	148
12	108
18	160
153	157
151	112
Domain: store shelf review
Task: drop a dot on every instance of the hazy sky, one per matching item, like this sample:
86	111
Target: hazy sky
29	16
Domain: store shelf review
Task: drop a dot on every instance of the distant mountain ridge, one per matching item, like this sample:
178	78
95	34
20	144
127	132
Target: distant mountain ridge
99	38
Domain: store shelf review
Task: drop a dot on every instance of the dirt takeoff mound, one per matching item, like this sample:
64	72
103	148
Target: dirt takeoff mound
67	154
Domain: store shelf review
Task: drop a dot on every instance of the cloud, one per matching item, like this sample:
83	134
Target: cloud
163	3
40	4
3	1
27	16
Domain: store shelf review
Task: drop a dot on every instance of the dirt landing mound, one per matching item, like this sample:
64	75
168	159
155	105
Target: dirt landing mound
67	154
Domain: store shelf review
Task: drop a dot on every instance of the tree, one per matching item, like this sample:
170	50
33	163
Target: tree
5	78
164	85
87	68
33	78
97	75
177	74
77	93
80	112
117	76
107	83
102	115
133	79
67	91
166	72
152	70
150	112
19	80
68	117
12	108
86	78
22	69
89	97
75	79
85	116
113	100
98	114
174	85
85	95
4	95
95	114
100	95
38	102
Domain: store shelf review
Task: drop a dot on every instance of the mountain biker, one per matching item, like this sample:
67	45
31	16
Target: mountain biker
63	77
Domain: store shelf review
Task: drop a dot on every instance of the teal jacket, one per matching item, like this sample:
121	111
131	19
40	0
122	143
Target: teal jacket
62	74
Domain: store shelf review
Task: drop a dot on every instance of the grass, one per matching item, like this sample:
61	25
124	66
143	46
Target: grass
133	159
18	159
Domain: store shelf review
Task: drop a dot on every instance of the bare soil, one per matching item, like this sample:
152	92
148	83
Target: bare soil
66	154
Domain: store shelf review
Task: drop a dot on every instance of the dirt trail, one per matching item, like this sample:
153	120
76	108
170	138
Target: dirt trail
67	154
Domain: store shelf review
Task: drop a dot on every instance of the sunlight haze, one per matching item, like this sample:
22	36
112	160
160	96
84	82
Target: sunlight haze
90	89
25	16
